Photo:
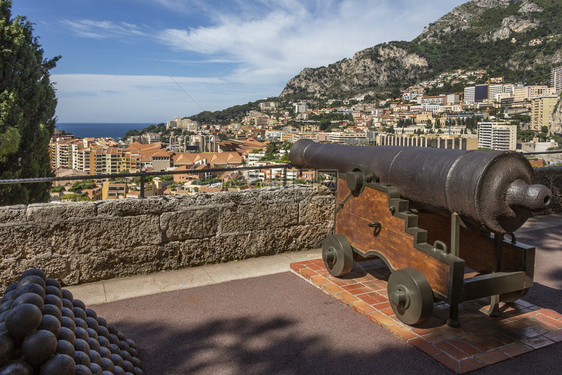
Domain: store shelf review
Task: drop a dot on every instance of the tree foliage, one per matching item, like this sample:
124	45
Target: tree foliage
27	109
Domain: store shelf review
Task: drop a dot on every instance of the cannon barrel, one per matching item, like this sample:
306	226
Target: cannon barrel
490	188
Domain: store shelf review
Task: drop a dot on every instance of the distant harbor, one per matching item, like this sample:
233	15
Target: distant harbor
99	130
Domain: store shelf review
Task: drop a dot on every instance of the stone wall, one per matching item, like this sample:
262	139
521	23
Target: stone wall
89	241
551	177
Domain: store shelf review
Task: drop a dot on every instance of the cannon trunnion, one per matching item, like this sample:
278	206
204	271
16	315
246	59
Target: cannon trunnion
432	253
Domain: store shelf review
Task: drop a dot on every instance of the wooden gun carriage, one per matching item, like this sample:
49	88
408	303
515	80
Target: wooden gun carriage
447	240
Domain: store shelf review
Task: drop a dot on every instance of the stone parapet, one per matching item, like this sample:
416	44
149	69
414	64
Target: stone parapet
84	242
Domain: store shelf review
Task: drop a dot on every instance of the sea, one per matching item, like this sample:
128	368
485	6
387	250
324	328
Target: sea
99	130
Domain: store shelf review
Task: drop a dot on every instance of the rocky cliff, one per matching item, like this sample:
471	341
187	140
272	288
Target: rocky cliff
518	39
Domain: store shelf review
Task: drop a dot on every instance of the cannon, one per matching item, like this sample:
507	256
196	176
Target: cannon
437	217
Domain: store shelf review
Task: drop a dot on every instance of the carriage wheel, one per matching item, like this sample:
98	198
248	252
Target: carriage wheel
337	255
410	296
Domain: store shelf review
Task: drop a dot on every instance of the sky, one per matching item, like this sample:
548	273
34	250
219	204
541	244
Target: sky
146	61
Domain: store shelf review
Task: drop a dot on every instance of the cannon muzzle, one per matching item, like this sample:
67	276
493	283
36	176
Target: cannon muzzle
490	188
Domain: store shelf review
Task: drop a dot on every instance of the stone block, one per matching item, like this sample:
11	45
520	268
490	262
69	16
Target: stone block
188	224
55	212
90	235
314	209
13	214
121	262
148	206
251	217
24	241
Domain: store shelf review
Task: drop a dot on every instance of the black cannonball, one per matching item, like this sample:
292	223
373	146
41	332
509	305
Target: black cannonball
117	359
34	299
6	347
78	303
50	323
123	345
53	290
6	305
11	288
128	366
92	322
94	344
113	339
31	279
3	316
79	313
67	303
82	370
81	323
53	282
103	341
136	361
60	364
17	368
66	294
30	288
95	356
92	333
121	336
81	333
82	345
91	313
125	355
114	348
68	335
131	343
138	371
65	311
67	322
53	300
102	331
105	352
107	373
65	347
39	347
34	272
49	309
96	369
112	329
107	364
81	358
118	370
22	320
3	326
101	321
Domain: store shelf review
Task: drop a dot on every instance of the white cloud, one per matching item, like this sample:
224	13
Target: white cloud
274	40
102	29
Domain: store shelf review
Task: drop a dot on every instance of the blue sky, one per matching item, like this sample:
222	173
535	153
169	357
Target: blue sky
144	60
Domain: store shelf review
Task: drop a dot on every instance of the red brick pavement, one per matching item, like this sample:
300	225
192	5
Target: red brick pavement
480	341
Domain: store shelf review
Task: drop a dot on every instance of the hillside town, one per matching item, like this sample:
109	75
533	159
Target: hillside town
485	113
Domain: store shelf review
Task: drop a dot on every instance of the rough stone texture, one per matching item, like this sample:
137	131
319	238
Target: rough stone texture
551	177
83	242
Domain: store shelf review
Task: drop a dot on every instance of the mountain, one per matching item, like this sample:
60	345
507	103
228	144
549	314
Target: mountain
518	39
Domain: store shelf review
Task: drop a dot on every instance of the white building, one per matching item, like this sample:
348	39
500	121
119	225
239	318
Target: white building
556	79
497	136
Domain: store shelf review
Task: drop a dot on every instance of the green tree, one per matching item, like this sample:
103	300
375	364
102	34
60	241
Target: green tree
27	109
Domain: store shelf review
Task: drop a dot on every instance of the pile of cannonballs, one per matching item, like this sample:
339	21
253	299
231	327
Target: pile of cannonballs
44	330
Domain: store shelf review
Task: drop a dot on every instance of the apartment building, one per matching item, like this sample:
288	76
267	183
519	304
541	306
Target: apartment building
541	111
556	80
497	136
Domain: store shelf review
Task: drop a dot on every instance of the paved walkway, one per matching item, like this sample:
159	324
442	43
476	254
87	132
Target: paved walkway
253	317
